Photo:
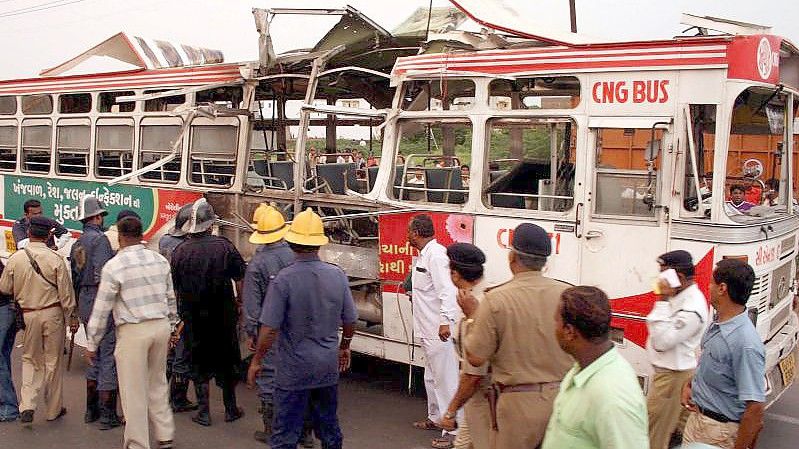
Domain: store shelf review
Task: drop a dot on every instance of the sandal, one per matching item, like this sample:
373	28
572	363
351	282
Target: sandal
443	442
427	424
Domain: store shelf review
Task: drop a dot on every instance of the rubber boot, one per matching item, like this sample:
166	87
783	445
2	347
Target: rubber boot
267	413
92	402
232	410
108	410
202	417
177	395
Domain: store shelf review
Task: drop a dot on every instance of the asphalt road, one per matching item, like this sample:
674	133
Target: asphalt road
374	409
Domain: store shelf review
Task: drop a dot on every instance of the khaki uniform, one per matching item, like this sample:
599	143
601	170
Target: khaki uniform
514	329
475	430
46	309
663	404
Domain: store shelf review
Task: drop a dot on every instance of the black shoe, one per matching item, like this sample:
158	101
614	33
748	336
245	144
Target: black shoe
202	418
26	416
60	414
233	415
187	406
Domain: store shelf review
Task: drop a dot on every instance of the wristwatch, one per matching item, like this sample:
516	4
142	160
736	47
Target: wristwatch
449	415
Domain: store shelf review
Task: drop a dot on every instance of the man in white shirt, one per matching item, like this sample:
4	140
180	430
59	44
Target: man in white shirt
435	309
136	287
675	325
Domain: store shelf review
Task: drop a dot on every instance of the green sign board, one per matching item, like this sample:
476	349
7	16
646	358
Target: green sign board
60	198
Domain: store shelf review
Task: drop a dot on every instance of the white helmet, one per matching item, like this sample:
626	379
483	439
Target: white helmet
89	207
201	219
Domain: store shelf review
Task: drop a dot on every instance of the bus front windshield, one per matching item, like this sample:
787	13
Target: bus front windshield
757	159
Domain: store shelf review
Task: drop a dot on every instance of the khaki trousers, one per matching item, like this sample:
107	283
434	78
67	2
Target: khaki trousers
141	368
663	405
474	432
701	429
42	360
522	418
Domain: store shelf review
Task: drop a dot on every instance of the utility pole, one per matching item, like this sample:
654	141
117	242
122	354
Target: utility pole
573	15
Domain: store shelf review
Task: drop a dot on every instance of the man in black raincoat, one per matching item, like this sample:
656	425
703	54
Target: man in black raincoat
203	270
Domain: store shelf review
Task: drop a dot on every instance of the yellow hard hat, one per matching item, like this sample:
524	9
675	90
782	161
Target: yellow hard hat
307	229
270	226
260	210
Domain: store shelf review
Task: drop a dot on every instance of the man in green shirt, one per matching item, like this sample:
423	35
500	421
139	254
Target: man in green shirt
600	404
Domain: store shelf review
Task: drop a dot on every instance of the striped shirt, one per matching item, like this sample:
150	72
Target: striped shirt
136	285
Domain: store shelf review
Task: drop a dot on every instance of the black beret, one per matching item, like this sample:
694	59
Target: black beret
531	240
127	213
465	255
42	223
679	260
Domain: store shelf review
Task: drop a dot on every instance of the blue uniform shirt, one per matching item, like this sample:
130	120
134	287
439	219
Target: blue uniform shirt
88	256
262	269
307	302
731	368
167	245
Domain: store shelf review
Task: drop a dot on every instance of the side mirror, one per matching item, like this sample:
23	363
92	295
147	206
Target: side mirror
652	150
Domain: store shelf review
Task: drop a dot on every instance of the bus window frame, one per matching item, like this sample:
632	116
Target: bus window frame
37	114
115	121
667	137
13	122
158	121
61	96
31	122
462	118
73	122
537	115
16	106
189	163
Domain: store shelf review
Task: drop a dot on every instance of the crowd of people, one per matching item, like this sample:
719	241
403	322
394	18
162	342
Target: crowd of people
537	367
528	363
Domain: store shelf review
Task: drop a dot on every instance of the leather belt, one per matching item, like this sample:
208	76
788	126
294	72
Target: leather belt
5	301
55	304
539	387
716	416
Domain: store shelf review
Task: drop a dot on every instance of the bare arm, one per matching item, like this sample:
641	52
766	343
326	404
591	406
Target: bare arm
467	387
751	423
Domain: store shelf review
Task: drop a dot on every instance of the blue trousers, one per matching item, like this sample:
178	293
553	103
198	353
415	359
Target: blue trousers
266	378
104	369
178	362
9	407
290	407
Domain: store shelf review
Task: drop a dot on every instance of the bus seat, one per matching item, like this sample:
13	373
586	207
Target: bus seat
283	170
438	178
371	176
338	176
456	183
260	167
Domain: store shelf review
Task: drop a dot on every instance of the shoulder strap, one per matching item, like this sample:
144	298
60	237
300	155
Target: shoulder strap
38	270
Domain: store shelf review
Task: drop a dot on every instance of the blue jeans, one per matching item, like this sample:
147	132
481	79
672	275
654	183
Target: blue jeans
9	408
290	406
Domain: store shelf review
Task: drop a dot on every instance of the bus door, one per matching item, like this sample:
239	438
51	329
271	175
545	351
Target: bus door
623	228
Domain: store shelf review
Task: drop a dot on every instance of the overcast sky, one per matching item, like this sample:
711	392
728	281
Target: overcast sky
32	40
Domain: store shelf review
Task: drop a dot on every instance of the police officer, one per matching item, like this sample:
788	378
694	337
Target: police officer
178	367
272	255
514	331
306	303
88	256
675	325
